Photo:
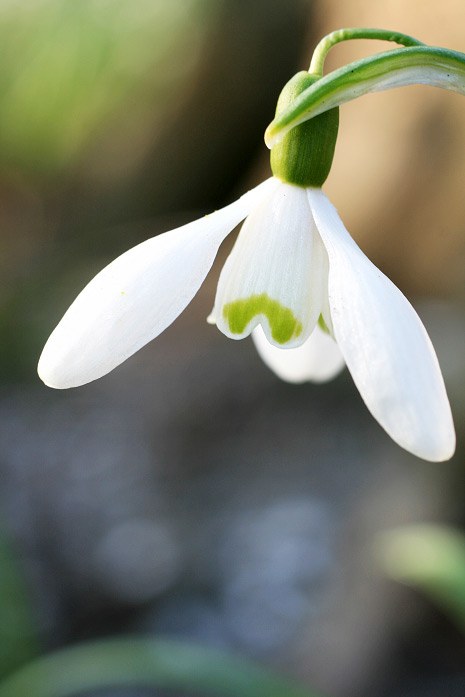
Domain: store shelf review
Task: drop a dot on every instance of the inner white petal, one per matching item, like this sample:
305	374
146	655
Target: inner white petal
318	359
276	274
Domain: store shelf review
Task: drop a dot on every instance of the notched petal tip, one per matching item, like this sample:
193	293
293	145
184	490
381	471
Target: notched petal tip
279	322
276	274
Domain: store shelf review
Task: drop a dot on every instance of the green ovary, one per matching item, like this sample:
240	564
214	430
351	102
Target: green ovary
283	323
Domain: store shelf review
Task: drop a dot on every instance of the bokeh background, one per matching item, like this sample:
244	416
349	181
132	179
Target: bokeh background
190	494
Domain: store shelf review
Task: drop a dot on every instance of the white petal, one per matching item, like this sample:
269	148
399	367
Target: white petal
384	344
137	296
317	360
276	274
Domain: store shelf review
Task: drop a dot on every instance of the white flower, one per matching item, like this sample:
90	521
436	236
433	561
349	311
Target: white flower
293	263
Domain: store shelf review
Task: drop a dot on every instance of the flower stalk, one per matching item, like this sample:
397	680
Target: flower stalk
427	65
330	40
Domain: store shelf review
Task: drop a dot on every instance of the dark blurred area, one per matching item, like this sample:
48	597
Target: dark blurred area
190	494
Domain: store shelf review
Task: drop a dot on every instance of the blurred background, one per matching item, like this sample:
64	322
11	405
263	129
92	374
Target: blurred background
190	494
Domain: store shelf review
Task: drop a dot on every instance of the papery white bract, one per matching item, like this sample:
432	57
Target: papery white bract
292	263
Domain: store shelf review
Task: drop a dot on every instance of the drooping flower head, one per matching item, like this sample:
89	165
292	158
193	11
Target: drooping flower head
295	278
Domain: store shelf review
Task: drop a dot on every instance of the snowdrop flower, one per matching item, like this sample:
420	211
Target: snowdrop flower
295	280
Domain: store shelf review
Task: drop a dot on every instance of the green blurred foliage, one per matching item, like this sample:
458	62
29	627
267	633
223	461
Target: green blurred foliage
140	662
69	66
431	558
18	641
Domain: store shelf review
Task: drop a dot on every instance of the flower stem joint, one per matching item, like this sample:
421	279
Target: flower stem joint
305	154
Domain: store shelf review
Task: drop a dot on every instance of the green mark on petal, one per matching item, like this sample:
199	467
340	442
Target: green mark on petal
283	323
322	324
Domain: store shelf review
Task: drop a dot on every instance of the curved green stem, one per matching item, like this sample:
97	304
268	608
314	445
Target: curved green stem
330	40
131	662
426	65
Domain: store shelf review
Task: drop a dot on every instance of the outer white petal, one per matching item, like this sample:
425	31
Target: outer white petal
317	360
384	344
276	274
137	296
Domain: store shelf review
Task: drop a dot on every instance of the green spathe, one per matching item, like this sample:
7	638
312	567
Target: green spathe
305	154
426	65
283	323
